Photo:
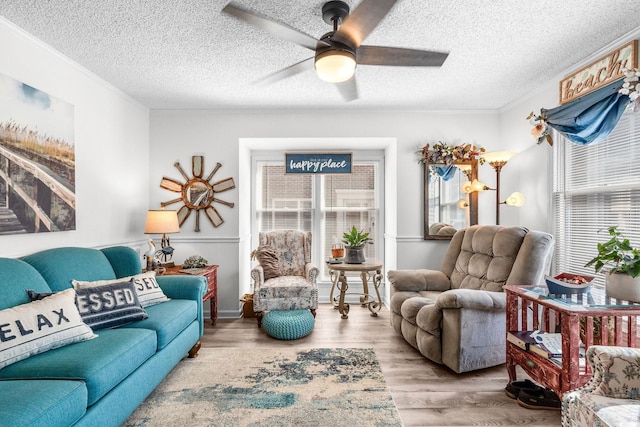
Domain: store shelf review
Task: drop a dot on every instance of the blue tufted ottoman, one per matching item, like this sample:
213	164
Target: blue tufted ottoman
288	324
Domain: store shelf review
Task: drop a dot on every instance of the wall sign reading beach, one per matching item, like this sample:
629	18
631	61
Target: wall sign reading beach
316	163
37	160
599	73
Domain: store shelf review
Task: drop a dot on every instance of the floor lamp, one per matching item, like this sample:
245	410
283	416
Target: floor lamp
497	160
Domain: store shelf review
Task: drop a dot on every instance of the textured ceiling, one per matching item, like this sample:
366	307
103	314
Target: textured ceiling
184	54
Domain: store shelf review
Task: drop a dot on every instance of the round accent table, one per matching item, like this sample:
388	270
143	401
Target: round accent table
288	324
339	280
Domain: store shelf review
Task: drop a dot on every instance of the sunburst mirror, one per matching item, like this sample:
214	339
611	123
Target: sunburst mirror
198	193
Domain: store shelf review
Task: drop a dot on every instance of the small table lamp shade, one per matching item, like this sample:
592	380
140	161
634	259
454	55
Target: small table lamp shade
161	222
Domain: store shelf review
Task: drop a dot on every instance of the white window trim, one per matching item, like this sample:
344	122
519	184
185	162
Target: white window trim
318	258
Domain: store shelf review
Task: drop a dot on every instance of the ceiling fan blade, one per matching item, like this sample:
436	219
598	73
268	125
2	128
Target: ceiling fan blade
278	29
291	70
382	55
348	89
364	18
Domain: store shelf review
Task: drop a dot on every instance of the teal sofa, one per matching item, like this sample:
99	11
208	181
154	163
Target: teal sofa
98	382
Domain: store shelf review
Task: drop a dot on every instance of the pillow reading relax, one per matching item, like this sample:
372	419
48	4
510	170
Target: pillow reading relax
146	285
267	258
35	327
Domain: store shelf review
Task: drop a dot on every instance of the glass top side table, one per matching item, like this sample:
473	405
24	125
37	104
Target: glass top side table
582	320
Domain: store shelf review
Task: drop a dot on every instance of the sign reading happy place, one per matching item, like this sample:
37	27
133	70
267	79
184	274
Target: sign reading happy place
317	162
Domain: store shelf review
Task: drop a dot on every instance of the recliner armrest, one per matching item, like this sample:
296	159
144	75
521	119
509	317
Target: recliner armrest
419	280
472	298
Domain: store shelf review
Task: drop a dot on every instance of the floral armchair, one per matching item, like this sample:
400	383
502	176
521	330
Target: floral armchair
612	396
294	285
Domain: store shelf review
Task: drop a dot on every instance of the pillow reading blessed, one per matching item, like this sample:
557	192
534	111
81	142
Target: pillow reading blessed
110	305
39	326
268	259
147	288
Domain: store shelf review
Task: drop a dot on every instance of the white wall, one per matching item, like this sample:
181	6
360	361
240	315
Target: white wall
111	148
178	135
530	171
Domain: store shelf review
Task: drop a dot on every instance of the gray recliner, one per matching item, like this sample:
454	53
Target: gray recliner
456	315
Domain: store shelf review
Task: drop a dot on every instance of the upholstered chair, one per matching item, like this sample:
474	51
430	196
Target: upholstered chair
456	315
610	397
291	284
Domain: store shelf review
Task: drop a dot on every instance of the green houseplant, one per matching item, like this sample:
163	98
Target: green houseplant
354	241
623	266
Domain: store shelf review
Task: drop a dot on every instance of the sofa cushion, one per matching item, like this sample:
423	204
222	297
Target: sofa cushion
486	257
39	326
101	363
146	286
398	298
124	260
168	319
412	306
109	306
16	276
42	403
59	266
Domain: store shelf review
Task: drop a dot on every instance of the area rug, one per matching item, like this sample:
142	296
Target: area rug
272	387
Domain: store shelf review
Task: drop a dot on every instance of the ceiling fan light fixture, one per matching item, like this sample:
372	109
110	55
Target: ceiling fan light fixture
335	66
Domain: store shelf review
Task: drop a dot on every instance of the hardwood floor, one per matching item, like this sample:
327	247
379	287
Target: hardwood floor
426	394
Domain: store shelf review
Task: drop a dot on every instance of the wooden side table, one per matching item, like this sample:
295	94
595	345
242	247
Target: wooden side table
339	280
210	272
581	321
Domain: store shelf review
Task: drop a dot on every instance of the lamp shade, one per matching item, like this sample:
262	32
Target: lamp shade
478	185
335	66
498	156
161	222
515	199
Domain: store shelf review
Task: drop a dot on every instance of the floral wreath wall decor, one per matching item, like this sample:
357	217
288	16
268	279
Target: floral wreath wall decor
631	87
450	154
540	129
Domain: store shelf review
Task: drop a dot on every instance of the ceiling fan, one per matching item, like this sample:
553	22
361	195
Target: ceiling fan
339	51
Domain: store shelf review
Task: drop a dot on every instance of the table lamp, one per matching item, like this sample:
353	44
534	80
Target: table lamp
162	222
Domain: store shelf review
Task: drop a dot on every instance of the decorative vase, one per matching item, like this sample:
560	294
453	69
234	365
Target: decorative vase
353	255
622	286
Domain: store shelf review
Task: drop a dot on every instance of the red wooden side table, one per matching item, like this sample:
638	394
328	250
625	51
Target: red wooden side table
581	320
210	272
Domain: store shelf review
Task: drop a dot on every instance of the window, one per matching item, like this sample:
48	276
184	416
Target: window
594	187
327	205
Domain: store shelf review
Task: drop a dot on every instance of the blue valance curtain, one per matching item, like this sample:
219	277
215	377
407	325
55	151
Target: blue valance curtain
591	118
445	172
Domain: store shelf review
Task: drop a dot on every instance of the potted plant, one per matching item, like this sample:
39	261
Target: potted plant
354	241
623	262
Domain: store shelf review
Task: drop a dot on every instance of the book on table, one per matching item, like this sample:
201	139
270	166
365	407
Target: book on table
545	344
522	339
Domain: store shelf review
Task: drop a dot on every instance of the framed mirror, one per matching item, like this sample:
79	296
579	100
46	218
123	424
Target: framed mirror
446	207
198	193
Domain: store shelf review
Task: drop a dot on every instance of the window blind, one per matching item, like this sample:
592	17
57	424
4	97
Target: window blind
594	187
